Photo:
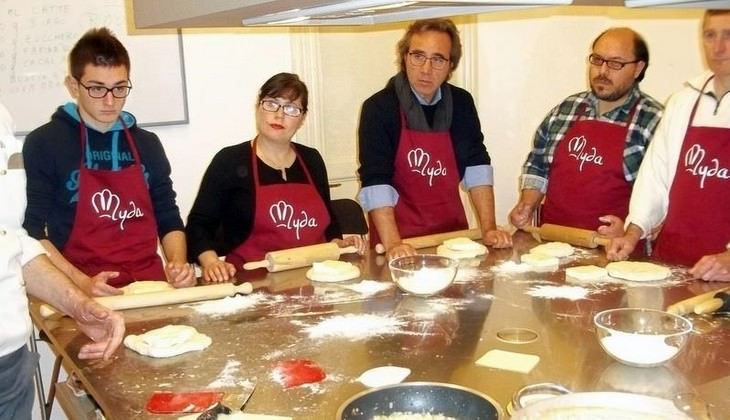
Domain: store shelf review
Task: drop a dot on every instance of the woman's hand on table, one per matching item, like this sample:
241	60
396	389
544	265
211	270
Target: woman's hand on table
218	271
497	238
619	249
103	326
357	241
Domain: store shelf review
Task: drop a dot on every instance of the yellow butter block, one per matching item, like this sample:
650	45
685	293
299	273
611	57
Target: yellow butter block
507	360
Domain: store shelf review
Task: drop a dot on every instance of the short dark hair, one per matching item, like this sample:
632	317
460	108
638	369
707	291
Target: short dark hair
285	85
431	25
98	47
641	49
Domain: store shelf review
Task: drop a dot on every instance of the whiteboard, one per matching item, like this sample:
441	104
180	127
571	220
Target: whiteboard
36	37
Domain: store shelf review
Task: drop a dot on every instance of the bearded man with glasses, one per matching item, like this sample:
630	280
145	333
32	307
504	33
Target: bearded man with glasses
586	152
100	196
419	139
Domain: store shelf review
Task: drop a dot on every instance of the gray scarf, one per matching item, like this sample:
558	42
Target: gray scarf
414	112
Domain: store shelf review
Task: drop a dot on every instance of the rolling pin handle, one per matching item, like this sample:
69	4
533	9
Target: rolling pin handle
256	264
348	250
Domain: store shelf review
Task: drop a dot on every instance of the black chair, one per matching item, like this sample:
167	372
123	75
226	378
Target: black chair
350	216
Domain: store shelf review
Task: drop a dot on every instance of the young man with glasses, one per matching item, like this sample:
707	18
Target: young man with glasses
587	151
419	138
99	189
684	179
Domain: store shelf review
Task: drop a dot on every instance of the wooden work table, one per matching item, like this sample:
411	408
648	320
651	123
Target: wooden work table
441	339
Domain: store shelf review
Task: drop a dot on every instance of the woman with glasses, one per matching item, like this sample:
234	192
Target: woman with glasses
419	139
265	194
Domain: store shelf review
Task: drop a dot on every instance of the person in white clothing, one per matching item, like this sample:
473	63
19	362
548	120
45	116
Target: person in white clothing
684	180
27	269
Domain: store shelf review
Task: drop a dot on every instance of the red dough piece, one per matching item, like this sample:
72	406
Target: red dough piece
291	373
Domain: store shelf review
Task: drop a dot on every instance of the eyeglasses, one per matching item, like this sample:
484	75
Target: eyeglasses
598	61
291	110
418	60
98	92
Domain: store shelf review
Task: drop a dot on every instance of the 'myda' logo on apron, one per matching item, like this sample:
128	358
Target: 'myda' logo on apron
106	205
282	214
577	150
420	162
694	162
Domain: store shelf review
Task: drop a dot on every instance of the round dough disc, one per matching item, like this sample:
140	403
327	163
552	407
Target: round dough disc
586	272
445	251
554	249
539	260
168	341
146	286
638	271
332	271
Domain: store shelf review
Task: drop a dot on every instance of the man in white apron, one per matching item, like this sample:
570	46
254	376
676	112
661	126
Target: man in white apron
27	269
588	149
684	180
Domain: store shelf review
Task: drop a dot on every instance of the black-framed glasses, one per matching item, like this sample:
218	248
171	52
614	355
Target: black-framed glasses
418	59
271	105
98	92
598	61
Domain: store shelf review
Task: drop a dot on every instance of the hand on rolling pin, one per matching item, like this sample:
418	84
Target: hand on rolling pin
97	285
497	238
620	248
715	267
522	214
358	241
613	228
104	326
180	274
400	250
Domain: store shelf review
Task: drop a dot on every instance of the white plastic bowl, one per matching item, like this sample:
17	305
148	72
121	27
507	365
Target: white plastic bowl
423	275
641	337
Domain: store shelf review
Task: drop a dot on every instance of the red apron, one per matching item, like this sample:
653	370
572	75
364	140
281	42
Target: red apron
114	228
587	174
698	222
427	180
286	216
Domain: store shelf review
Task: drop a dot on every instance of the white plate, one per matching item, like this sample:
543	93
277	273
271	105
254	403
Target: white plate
600	406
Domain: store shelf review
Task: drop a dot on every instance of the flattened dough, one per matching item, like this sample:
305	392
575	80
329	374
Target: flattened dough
586	272
146	286
539	260
553	249
508	360
168	341
638	271
461	248
333	271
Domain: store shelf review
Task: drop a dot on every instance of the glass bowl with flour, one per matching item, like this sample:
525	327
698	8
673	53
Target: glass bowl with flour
424	274
641	337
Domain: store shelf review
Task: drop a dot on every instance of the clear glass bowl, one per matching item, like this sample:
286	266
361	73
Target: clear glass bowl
423	275
641	337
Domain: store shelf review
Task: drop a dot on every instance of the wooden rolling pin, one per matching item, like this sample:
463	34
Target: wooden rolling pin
168	297
683	307
303	256
435	239
574	236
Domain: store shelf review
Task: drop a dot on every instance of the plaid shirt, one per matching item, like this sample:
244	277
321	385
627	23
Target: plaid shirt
553	128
